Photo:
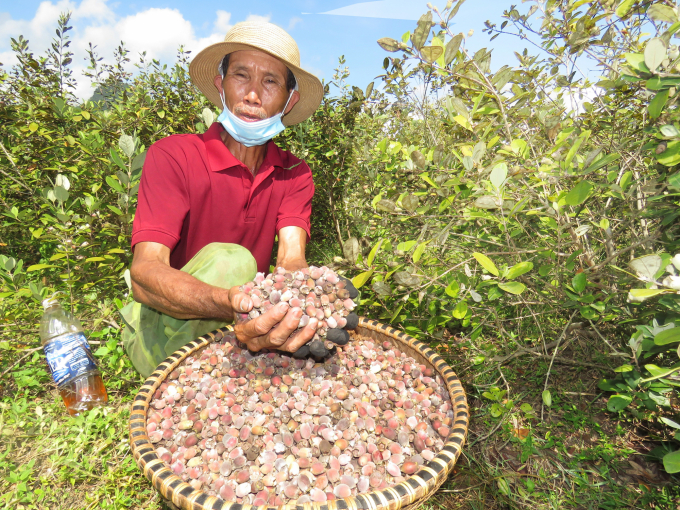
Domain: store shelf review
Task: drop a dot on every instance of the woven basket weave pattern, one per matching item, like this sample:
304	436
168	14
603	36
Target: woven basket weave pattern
407	495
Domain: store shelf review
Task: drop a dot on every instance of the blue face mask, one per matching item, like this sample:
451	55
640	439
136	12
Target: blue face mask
251	133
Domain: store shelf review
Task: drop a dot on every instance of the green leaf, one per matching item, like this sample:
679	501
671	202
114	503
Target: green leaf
406	246
452	48
410	203
396	313
519	269
373	253
114	184
601	163
578	283
460	311
486	263
351	249
588	313
38	267
115	210
386	205
669	422
660	12
425	176
102	351
624	7
636	61
421	33
668	336
127	145
655	53
671	156
547	398
431	53
657	104
498	175
419	251
33	127
37	233
671	462
95	259
623	369
617	402
388	44
381	288
640	295
579	194
544	270
61	194
674	181
360	279
454	10
646	266
117	159
513	287
453	289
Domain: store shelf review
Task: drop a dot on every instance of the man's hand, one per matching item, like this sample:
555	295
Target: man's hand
273	329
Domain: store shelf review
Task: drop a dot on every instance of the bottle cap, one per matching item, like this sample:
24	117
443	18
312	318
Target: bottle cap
50	301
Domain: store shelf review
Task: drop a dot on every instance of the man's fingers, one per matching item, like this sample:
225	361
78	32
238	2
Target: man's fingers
263	324
241	303
302	337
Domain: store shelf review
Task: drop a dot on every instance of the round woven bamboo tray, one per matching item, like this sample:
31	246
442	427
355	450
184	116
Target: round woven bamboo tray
407	495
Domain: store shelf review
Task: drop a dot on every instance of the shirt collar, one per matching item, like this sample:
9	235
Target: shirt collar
221	158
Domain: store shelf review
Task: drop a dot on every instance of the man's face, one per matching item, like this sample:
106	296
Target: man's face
255	86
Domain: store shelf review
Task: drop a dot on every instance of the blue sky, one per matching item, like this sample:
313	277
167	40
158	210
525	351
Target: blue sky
324	29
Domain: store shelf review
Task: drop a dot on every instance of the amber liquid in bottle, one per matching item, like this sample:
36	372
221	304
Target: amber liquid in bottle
84	394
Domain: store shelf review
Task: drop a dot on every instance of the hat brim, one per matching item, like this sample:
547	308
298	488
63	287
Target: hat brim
204	68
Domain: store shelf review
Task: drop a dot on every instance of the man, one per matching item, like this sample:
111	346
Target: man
210	205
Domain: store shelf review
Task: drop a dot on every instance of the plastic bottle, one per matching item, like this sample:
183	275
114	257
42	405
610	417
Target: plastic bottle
73	367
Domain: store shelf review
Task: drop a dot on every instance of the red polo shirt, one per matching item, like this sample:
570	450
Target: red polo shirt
194	192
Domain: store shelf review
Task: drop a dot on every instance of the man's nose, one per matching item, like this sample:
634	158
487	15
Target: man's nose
252	97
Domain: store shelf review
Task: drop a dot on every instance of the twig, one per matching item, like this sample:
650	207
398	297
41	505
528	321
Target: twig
605	340
487	436
30	351
15	167
621	252
547	376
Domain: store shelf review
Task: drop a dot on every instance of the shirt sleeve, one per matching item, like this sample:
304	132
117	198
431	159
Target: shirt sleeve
296	208
163	201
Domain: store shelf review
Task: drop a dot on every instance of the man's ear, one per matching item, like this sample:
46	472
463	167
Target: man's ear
293	100
218	83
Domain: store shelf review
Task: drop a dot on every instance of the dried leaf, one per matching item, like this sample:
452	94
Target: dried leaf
389	44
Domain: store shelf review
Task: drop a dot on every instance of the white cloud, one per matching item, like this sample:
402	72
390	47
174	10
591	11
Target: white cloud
294	21
257	17
157	31
222	22
574	100
387	9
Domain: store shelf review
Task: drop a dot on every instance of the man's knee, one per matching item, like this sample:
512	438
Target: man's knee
223	264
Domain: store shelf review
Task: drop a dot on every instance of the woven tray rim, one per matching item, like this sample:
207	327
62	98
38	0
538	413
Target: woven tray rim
405	495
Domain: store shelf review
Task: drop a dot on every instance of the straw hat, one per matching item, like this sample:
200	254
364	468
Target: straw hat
253	35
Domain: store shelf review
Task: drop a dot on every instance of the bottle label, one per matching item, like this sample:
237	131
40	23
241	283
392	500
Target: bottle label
69	356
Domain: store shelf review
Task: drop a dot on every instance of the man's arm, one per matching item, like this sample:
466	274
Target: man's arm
292	244
180	295
176	293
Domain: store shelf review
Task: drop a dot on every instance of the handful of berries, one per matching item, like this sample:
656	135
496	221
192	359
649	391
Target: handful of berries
320	292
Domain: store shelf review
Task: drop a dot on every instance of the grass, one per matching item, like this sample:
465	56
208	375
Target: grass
578	457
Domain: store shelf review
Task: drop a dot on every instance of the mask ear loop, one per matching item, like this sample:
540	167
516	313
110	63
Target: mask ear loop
283	112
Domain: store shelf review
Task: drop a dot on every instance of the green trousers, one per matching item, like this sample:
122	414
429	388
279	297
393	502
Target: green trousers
151	336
